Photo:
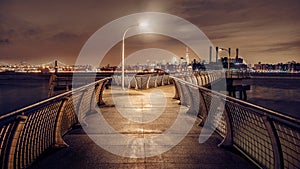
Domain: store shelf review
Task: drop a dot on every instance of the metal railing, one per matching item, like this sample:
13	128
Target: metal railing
269	139
29	132
144	81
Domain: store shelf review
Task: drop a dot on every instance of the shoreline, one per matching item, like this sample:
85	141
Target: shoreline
274	74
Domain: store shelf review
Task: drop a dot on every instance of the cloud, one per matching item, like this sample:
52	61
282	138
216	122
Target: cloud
258	28
285	46
288	45
18	30
8	32
219	12
4	41
31	32
65	36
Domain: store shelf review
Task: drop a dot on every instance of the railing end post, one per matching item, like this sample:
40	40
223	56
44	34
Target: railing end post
58	140
21	120
60	145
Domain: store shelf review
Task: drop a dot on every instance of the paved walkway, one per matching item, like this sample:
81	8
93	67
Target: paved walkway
143	127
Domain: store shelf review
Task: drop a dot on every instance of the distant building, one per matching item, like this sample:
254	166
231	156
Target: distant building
187	58
279	67
234	63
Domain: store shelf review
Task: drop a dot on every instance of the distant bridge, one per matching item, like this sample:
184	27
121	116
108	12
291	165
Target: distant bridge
53	62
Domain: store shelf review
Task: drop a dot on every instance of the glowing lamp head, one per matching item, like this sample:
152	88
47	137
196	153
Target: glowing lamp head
143	24
222	49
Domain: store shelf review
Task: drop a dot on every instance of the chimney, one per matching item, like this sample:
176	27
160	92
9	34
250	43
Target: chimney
237	54
217	53
210	54
55	66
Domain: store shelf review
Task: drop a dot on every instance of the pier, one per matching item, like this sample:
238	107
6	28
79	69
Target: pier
59	133
83	152
234	82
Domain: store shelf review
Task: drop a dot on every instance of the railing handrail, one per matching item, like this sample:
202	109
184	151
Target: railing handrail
267	111
50	99
152	80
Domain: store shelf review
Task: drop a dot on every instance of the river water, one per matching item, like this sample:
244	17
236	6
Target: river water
281	94
16	94
276	93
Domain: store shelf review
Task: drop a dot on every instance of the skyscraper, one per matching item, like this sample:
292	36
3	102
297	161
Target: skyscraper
187	56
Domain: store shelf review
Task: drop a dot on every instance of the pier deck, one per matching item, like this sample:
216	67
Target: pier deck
189	153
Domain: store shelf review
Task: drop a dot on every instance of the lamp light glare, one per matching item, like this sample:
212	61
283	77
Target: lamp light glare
143	24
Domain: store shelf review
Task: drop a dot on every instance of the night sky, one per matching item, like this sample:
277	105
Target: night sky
40	31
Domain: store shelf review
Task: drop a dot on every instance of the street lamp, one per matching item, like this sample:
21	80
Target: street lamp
228	58
142	25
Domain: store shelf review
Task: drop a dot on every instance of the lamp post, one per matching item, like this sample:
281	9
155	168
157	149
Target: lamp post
228	58
143	24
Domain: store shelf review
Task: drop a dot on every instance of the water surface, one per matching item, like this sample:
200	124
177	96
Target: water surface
276	93
16	94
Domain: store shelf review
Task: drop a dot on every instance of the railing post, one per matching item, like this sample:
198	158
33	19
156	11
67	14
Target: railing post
20	122
204	108
155	81
183	94
228	139
94	98
100	100
148	81
277	152
77	110
195	100
58	141
177	97
97	92
136	82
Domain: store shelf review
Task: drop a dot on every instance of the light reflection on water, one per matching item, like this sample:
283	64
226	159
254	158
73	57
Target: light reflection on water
281	95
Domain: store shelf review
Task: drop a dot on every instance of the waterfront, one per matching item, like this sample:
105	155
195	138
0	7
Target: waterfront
281	94
16	94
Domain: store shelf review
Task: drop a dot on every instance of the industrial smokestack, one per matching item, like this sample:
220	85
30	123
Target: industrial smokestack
237	54
210	54
55	66
217	53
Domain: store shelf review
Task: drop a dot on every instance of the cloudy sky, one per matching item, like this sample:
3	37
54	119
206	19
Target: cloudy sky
40	31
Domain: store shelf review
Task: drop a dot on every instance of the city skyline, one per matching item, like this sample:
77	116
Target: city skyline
37	32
